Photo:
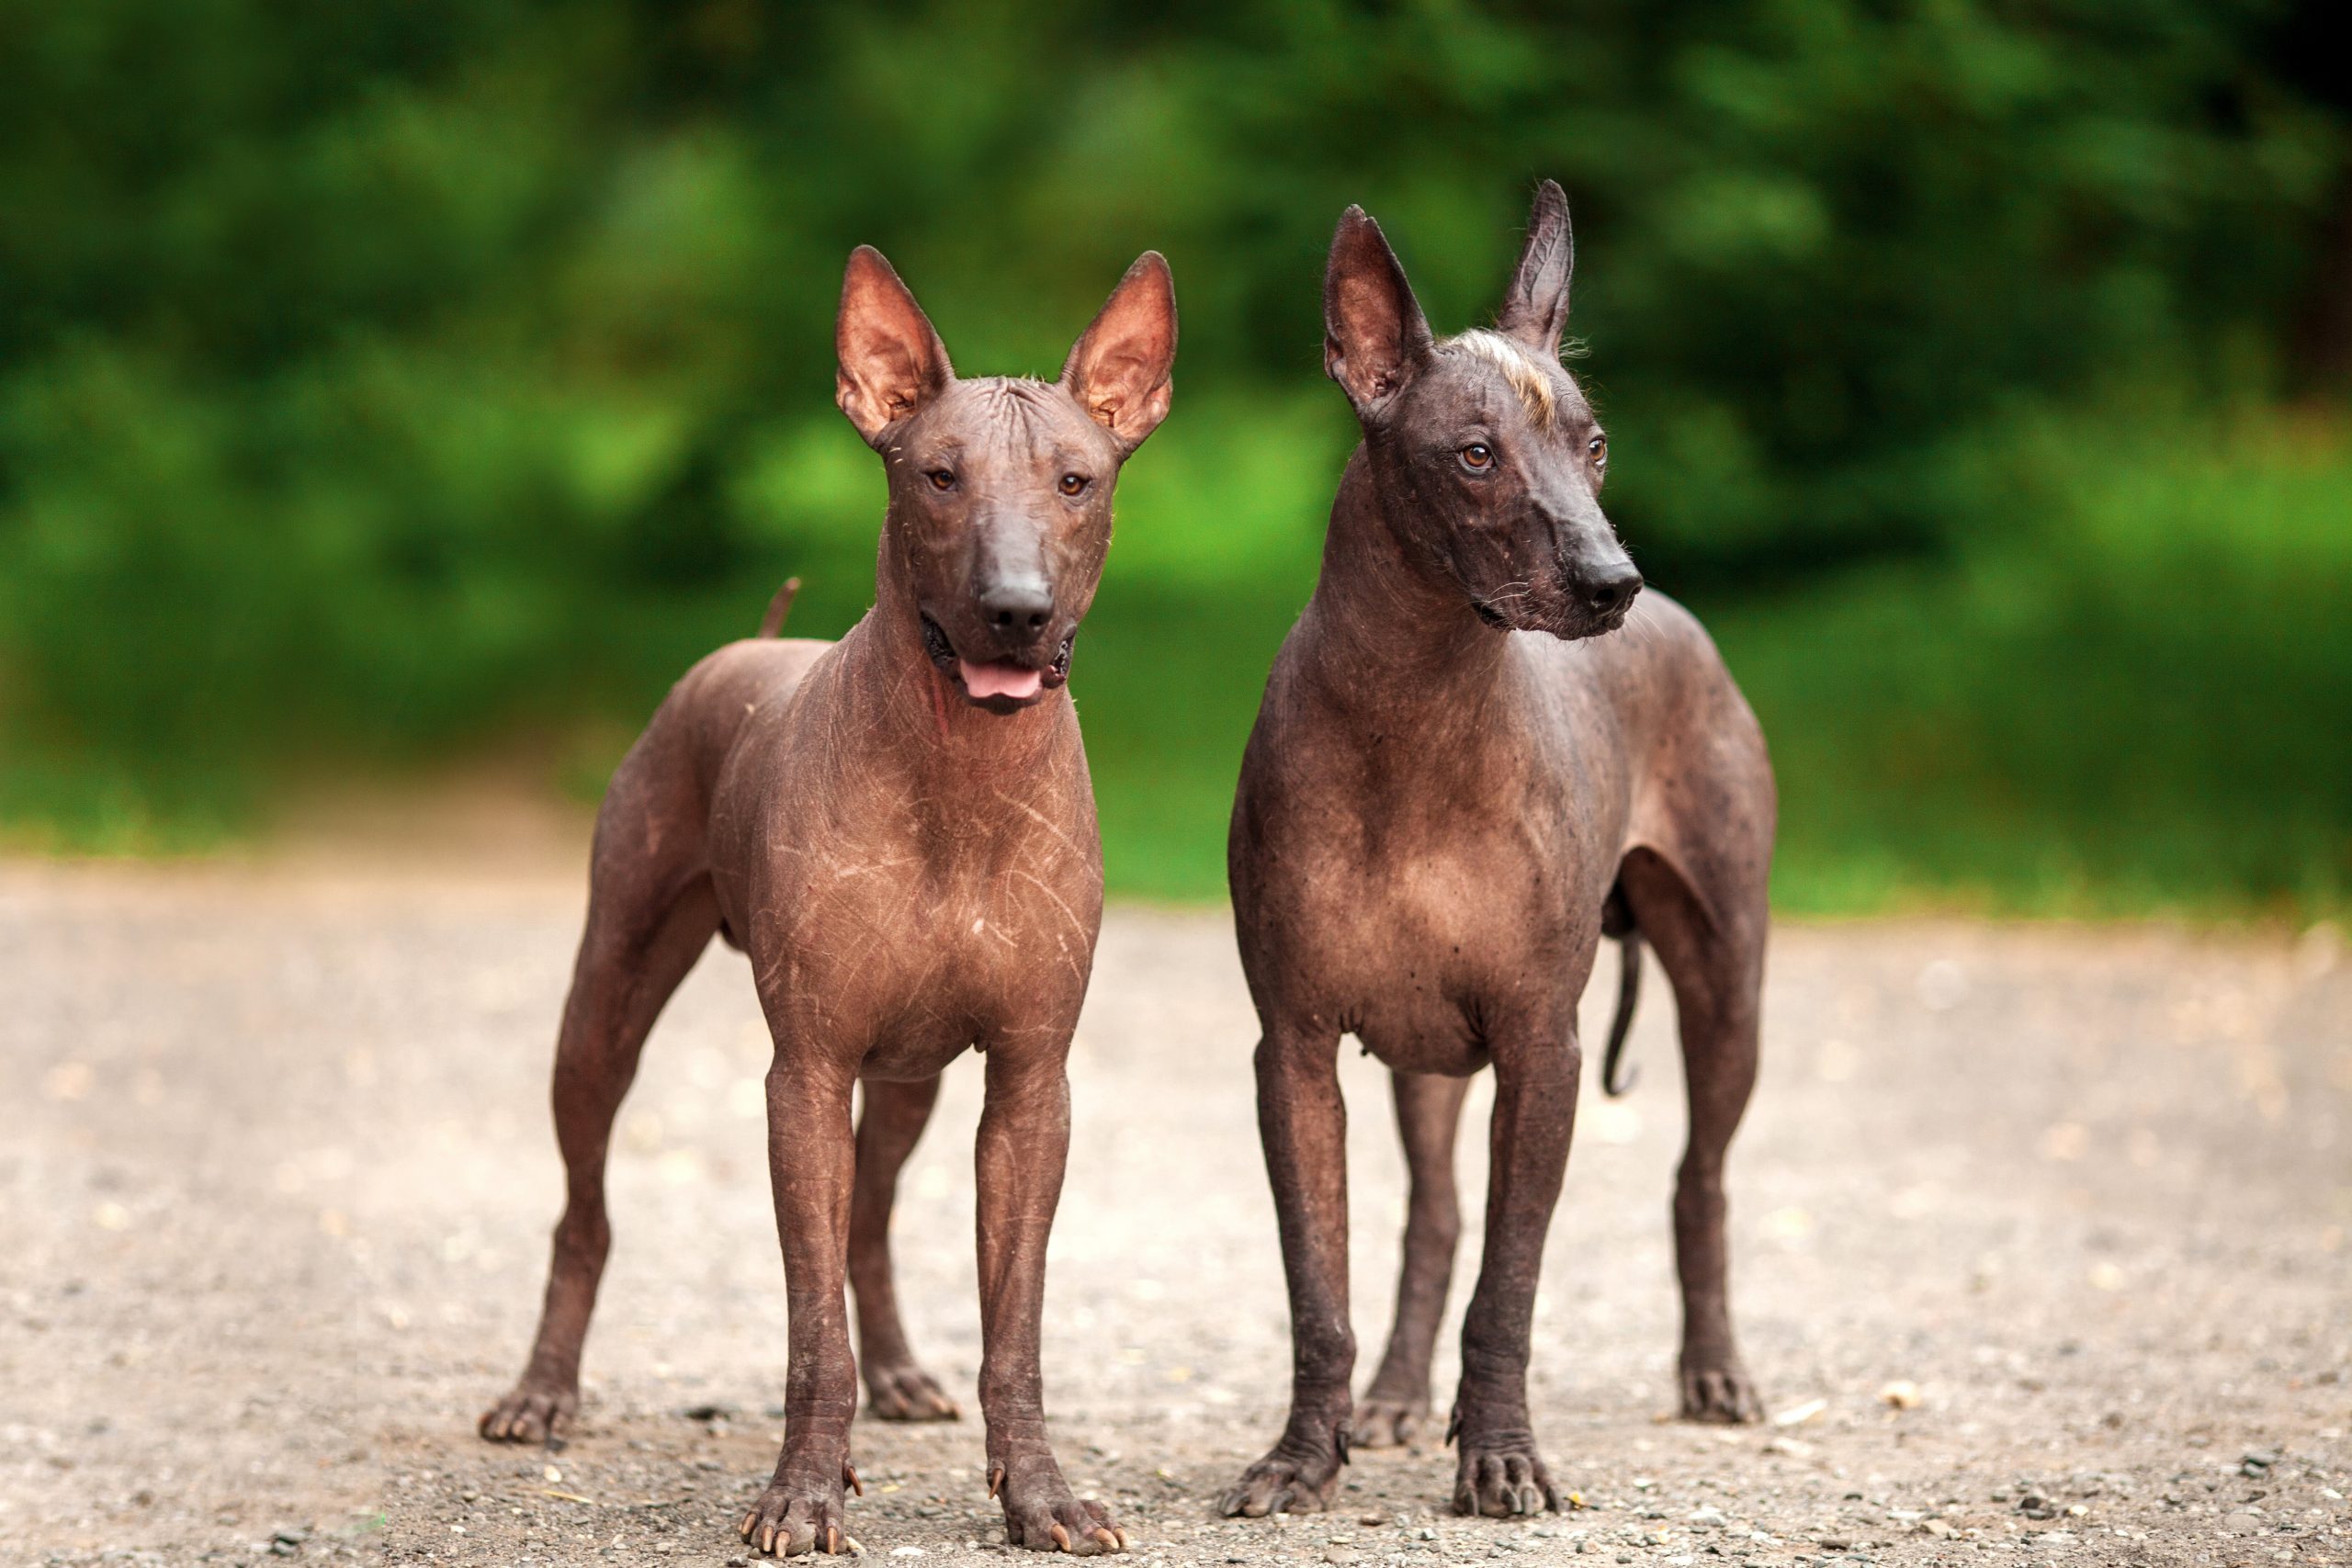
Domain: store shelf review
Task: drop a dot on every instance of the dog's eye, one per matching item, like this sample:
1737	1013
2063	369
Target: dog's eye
1598	449
941	478
1478	455
1074	484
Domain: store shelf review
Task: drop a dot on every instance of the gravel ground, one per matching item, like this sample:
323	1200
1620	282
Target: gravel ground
2040	1251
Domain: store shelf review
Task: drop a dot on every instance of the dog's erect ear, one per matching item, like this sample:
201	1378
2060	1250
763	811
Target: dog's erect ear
892	361
1118	369
1536	308
1374	339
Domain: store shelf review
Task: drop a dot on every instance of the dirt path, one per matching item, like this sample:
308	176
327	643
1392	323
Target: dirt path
277	1178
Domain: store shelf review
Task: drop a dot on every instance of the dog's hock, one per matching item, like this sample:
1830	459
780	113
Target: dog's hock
1119	369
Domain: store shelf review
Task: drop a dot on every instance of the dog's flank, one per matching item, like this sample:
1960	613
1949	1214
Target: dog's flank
1478	753
898	830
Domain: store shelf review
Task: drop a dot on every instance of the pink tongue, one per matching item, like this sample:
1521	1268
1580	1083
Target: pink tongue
1000	680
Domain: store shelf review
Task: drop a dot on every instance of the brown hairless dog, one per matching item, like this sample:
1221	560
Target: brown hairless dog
1475	755
900	831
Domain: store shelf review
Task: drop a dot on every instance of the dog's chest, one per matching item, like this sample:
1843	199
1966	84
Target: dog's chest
926	949
1415	951
1422	915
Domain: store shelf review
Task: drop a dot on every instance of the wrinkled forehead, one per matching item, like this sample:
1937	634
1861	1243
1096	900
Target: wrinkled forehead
1486	372
1010	417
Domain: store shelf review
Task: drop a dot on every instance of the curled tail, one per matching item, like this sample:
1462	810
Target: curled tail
1617	920
779	607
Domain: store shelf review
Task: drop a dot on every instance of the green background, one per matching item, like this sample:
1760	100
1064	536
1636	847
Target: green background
384	381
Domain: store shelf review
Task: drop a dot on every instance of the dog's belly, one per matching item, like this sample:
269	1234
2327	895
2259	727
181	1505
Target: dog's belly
1423	964
1409	1035
912	1053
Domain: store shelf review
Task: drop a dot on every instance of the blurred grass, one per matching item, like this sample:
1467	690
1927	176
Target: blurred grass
2137	702
2128	694
402	381
2140	704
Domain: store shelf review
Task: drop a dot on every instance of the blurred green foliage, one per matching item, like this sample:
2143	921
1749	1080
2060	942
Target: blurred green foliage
377	378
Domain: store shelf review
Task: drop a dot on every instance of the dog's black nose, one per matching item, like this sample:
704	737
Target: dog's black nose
1612	588
1017	612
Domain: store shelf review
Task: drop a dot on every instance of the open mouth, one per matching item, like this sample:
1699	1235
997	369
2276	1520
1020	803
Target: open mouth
1000	686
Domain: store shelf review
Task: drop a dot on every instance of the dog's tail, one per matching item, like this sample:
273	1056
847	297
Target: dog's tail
779	607
1617	920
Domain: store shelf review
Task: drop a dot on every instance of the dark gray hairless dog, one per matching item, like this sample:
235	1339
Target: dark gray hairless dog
900	831
1476	754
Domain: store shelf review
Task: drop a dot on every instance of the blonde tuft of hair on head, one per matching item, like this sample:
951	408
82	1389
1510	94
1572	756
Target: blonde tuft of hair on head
1522	369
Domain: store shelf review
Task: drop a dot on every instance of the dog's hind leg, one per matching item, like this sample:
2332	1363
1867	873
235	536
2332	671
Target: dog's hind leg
1429	1114
887	1126
650	914
1713	952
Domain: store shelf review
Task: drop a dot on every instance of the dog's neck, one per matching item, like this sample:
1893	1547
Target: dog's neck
915	708
1392	630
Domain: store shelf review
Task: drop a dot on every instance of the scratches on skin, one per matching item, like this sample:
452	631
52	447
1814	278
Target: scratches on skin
1069	914
912	875
871	868
1041	819
939	705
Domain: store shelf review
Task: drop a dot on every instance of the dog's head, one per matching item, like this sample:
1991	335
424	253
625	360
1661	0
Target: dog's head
1000	485
1487	458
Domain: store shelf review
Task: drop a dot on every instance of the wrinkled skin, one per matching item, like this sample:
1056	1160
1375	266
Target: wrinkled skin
1474	734
900	831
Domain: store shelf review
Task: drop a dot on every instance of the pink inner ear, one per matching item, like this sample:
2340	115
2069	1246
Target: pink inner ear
1374	323
890	360
887	364
1115	382
1118	368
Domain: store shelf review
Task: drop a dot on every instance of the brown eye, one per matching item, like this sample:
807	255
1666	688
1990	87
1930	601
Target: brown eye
1073	484
1598	449
1478	455
941	478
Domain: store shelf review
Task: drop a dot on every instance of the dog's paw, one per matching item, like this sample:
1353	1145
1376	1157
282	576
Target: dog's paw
1387	1422
533	1413
1721	1393
1041	1514
1284	1483
907	1393
1501	1479
794	1518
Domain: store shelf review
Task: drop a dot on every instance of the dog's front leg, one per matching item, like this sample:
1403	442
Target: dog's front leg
1535	1110
812	1158
886	1130
1429	1113
1023	1146
1303	1121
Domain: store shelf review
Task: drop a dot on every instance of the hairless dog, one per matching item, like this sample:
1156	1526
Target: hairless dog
898	829
1476	754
